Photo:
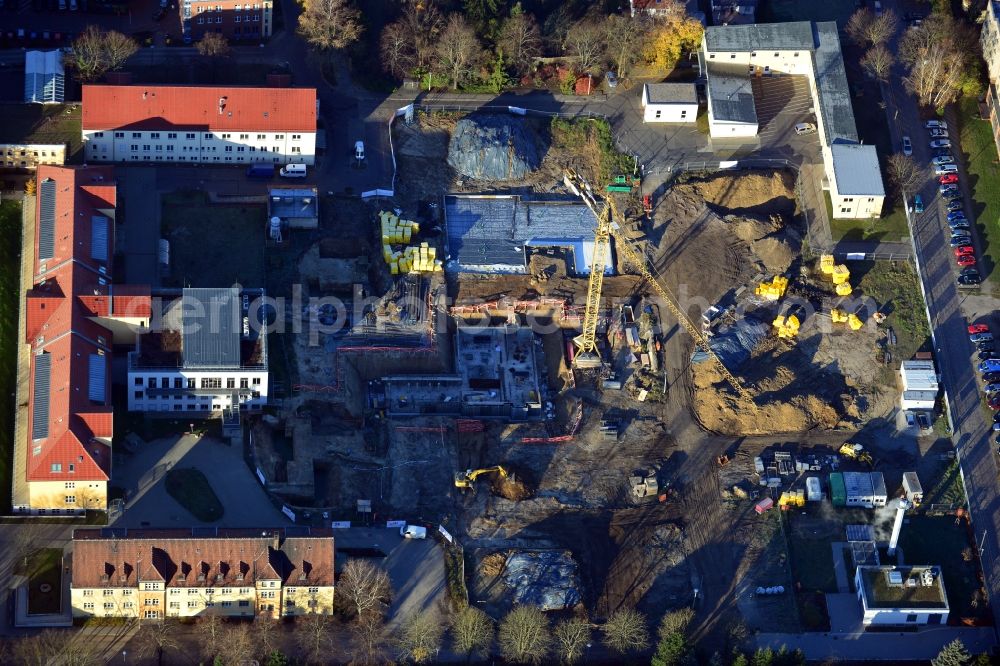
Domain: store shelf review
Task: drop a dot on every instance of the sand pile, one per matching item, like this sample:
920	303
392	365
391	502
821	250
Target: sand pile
774	190
511	488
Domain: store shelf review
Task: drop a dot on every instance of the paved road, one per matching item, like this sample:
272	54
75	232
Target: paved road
918	646
972	437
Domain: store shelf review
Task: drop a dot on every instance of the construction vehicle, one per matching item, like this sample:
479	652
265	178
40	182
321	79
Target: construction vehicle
608	227
647	204
856	452
467	478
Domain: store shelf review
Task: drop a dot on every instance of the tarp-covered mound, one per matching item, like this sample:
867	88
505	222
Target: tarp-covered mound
494	147
546	579
736	343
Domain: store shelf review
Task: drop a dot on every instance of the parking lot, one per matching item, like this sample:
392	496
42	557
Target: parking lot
53	23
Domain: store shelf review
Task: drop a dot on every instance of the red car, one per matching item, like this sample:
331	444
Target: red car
948	178
966	260
978	328
964	249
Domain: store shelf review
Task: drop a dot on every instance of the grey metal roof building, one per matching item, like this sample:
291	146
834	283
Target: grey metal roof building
731	96
671	93
490	232
211	328
856	169
831	84
760	36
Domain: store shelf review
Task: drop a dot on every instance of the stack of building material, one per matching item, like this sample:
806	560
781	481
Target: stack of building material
773	290
838	273
787	327
411	258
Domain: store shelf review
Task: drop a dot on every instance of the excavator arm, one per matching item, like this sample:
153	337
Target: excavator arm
467	478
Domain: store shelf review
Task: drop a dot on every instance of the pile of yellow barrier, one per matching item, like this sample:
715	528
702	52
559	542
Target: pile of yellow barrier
412	258
774	289
788	327
839	273
841	317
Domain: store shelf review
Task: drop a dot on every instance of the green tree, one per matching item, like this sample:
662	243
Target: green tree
952	654
498	77
484	15
276	658
673	649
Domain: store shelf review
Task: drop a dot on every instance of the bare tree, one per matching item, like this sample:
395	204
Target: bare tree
365	586
877	62
118	48
585	42
571	637
312	635
675	622
903	171
27	538
155	638
458	49
625	39
409	44
419	638
268	634
471	631
369	637
626	631
237	644
396	49
88	54
37	650
330	24
865	28
524	635
213	45
520	39
936	54
209	630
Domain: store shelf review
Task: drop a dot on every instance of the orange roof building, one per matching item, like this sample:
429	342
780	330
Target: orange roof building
201	124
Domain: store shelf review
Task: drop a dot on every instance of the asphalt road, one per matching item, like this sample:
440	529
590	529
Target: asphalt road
954	353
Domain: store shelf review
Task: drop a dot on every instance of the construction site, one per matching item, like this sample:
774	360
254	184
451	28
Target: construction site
573	372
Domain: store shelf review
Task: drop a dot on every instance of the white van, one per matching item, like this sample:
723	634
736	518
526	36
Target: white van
805	128
413	532
359	150
293	171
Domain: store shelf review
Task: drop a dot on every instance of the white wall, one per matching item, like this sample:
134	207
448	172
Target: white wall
194	404
724	129
670	113
764	62
855	206
200	147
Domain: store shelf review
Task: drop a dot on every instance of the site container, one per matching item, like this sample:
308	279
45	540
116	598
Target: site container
838	491
763	505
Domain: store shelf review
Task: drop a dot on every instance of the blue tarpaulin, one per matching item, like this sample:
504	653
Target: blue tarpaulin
734	344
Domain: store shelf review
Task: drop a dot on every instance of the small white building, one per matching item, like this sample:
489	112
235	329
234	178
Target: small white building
901	596
205	353
731	110
919	384
865	489
911	486
669	103
856	189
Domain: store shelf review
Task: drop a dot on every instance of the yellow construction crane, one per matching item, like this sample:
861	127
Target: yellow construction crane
468	477
607	228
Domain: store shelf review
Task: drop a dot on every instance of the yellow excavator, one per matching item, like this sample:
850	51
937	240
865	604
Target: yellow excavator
857	452
467	478
608	227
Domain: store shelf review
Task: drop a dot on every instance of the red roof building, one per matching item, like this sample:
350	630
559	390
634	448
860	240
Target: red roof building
69	417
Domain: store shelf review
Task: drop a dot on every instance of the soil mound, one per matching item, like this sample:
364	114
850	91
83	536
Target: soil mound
494	148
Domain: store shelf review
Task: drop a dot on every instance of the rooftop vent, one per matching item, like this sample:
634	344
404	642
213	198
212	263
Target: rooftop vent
222	104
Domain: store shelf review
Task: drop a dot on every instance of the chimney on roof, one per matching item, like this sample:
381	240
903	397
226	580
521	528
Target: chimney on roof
144	93
276	539
222	104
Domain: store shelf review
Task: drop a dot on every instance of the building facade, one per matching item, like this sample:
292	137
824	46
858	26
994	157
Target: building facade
237	21
153	574
989	39
64	418
669	103
201	125
201	355
901	596
31	155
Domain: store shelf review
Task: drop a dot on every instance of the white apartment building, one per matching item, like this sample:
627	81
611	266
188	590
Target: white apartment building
201	125
734	55
201	355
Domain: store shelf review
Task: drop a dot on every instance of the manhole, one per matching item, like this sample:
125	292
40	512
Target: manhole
45	588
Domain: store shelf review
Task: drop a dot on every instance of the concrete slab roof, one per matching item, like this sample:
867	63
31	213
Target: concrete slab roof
751	37
856	170
731	97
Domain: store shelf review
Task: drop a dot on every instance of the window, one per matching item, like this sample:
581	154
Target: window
127	592
210	590
732	56
108	593
145	147
229	149
911	617
296	137
207	137
151	602
227	604
178	382
171	135
236	19
261	137
109	605
159	148
170	149
230	382
256	381
192	604
174	591
313	590
88	593
154	135
56	467
226	136
240	149
267	594
149	586
72	467
70	485
190	383
658	114
279	137
209	604
244	603
845	210
227	590
136	135
128	604
88	606
119	135
70	499
190	592
137	395
151	614
244	382
289	603
189	135
134	147
684	114
138	381
175	605
211	383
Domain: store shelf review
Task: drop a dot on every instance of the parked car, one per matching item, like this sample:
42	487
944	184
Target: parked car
991	377
413	532
952	195
956	215
978	328
952	206
950	187
964	249
948	178
942	159
970	280
958	241
918	203
907	146
987	355
805	128
984	336
988	345
941	143
939	133
959	225
941	169
611	78
936	124
966	260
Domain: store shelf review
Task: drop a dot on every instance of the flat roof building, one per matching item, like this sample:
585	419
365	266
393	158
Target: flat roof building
669	103
919	383
901	595
865	489
44	77
297	207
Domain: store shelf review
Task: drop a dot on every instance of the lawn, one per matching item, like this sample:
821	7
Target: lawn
44	572
10	276
213	244
890	227
940	541
948	489
43	123
979	154
192	490
812	564
894	286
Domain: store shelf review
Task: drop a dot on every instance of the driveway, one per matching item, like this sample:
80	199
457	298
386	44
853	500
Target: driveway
142	476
